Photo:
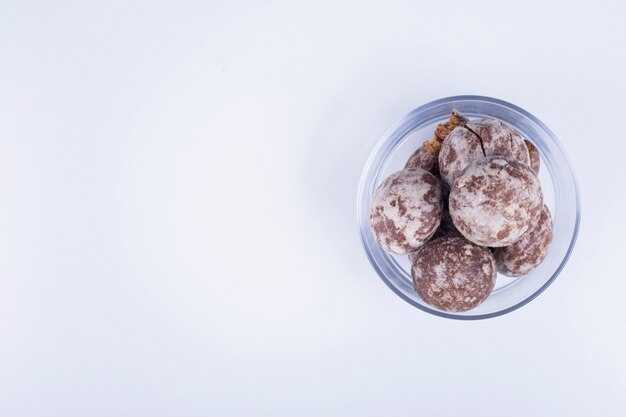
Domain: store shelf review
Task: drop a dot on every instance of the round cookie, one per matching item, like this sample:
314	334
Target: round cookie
527	253
491	137
422	158
534	155
453	274
406	210
495	201
460	149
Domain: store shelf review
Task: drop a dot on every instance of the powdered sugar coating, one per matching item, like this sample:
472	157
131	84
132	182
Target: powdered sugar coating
490	137
421	158
527	253
500	138
453	274
460	148
446	229
496	201
406	210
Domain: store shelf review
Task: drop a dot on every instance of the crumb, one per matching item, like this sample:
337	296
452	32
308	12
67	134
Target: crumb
433	146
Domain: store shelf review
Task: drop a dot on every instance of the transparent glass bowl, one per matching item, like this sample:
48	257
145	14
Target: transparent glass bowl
558	182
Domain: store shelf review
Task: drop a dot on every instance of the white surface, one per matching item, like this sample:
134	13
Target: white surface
177	210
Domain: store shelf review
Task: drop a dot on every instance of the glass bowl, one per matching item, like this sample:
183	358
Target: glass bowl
558	182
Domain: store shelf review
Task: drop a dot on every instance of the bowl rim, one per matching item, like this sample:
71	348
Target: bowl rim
393	130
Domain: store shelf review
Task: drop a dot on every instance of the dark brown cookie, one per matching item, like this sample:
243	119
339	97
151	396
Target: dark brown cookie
495	201
453	274
527	253
535	162
490	137
406	210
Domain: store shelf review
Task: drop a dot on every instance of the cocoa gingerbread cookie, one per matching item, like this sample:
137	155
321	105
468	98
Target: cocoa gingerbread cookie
406	210
495	201
453	274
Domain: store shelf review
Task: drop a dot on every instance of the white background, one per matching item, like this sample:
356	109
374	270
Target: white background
177	208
